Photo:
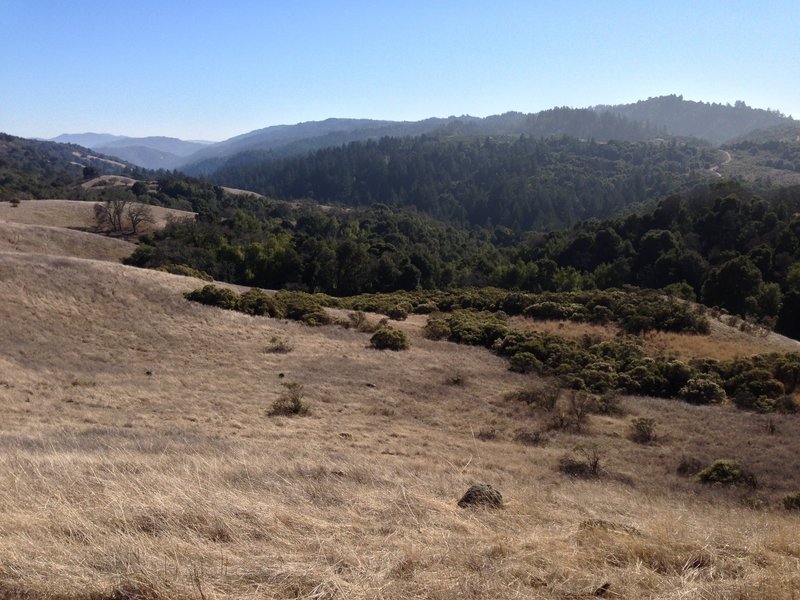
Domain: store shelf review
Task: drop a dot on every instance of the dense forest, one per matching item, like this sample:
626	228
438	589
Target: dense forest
719	244
341	252
521	183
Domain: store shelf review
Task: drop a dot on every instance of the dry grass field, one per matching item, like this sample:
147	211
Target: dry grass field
71	214
724	343
57	241
138	461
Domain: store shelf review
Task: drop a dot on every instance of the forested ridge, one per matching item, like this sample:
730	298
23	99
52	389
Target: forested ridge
522	182
37	169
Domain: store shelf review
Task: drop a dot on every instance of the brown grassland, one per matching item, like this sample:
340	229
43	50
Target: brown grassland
138	461
724	343
71	214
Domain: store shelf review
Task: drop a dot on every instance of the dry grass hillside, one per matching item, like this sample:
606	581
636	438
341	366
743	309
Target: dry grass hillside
138	461
39	239
72	214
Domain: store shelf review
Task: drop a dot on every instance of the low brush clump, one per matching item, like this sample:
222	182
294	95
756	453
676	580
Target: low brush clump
186	271
792	501
290	403
585	463
387	338
643	430
727	473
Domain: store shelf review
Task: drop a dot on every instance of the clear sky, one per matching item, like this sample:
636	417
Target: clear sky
200	69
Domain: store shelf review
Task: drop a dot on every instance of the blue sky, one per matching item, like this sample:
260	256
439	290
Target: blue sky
210	70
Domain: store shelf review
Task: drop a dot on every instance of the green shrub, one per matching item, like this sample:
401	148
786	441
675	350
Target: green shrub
756	383
701	390
259	303
676	375
213	295
316	318
398	312
557	311
477	328
525	362
598	379
425	308
437	329
186	271
792	501
389	339
726	473
608	404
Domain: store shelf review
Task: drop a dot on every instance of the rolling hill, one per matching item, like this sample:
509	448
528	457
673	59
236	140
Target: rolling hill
139	461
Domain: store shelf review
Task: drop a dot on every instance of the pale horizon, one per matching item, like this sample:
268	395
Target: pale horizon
211	72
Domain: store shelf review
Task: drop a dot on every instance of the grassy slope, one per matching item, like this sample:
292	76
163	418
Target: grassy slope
73	214
177	484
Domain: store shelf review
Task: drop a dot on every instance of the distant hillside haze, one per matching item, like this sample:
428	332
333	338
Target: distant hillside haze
717	123
664	116
153	152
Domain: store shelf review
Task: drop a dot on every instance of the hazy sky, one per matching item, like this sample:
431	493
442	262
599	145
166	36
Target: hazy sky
211	69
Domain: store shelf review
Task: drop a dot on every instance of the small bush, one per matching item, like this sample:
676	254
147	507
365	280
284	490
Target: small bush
701	390
579	406
643	430
259	303
525	362
279	346
726	473
357	319
398	312
425	308
389	339
608	404
186	271
541	396
787	404
437	329
290	403
586	465
456	379
316	318
792	501
213	295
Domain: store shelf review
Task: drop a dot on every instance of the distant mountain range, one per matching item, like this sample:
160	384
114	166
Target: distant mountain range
664	116
155	152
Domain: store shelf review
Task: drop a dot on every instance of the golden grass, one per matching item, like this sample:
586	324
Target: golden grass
57	241
72	214
116	483
723	343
